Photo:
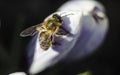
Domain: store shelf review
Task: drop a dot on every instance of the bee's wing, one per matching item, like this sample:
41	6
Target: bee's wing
62	31
29	31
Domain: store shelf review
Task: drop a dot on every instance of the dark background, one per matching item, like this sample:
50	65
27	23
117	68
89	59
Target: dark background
20	14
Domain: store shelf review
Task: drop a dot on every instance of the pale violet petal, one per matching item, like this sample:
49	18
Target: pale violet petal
81	5
93	33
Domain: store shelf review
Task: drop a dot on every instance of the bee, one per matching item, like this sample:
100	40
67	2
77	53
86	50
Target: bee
46	31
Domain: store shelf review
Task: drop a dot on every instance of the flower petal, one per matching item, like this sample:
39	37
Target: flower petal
94	27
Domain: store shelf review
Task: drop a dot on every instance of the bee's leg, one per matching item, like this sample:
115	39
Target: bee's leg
55	43
62	31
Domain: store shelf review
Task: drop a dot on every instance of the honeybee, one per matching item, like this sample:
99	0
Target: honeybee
47	30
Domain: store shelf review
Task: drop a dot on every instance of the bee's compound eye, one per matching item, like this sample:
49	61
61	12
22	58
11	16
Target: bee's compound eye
55	15
58	18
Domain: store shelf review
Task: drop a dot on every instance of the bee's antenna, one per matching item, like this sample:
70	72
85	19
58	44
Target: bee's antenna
67	15
62	14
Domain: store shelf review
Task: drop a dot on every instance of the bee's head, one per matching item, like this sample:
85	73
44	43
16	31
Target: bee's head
58	18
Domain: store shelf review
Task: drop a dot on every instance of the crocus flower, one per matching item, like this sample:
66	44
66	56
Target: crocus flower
87	25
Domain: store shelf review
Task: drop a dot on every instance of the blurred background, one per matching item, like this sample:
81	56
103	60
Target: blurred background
17	15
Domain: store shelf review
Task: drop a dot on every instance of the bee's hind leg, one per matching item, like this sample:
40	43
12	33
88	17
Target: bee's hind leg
55	43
